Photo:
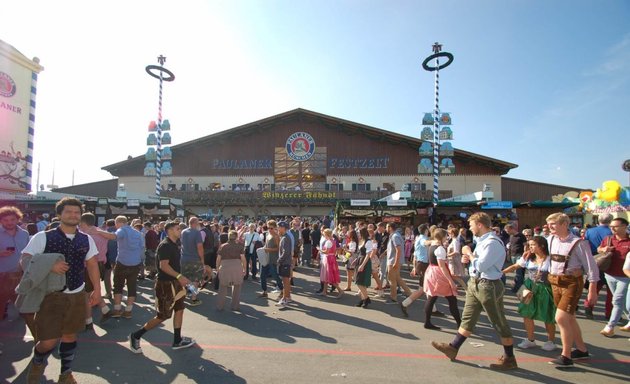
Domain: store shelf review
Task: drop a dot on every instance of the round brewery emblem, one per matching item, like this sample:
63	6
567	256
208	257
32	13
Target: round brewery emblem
300	146
7	85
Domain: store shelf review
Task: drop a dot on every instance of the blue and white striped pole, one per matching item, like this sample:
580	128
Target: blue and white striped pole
170	77
158	163
437	53
31	131
436	133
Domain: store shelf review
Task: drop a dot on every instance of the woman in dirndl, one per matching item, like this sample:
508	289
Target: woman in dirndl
374	259
364	266
350	255
330	274
438	281
537	263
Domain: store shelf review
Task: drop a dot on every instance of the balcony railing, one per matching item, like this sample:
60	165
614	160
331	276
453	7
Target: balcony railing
278	197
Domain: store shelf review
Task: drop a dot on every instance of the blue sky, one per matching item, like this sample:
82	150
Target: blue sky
543	84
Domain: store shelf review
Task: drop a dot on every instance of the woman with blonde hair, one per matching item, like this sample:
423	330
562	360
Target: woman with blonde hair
331	271
231	266
438	281
351	254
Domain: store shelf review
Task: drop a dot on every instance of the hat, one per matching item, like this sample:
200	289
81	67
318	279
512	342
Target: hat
284	224
177	295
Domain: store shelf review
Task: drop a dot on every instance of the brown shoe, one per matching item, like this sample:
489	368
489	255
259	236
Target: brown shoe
126	315
116	313
66	378
446	349
106	316
35	373
504	364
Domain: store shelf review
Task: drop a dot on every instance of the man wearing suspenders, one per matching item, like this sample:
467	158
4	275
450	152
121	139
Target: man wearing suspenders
570	259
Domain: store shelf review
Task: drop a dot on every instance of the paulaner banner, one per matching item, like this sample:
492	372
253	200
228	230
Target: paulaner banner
18	87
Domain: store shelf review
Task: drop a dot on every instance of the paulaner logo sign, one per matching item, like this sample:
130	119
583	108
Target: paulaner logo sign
300	146
7	85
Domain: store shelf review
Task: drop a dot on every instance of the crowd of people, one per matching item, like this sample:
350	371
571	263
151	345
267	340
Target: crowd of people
53	273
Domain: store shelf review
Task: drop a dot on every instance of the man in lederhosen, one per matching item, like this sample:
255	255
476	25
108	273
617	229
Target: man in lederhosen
570	258
62	314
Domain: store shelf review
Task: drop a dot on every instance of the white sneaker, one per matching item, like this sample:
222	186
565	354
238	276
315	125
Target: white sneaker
549	345
281	303
527	344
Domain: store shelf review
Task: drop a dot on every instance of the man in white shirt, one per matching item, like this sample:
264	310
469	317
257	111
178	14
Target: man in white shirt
251	237
62	314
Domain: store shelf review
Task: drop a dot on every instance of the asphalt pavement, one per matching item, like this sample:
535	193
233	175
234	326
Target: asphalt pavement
313	340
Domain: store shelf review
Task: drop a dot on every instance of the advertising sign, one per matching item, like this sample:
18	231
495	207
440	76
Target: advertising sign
497	205
300	146
397	203
17	106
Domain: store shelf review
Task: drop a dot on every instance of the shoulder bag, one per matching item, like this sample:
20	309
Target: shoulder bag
604	259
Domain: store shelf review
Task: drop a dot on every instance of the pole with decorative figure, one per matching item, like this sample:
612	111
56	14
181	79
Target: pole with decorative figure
158	164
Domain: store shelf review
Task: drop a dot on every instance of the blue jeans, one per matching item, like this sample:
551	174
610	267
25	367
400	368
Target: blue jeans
269	270
621	299
306	254
253	259
383	273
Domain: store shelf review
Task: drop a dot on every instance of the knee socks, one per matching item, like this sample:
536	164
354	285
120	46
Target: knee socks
40	357
66	354
458	341
508	350
139	333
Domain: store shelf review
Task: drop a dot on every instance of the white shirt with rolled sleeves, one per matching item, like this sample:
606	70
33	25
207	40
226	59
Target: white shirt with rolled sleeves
489	257
38	242
581	259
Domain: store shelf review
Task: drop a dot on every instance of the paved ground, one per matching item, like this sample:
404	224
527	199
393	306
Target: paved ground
315	340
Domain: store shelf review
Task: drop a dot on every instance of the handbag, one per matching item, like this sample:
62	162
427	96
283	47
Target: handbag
524	295
604	259
263	257
353	262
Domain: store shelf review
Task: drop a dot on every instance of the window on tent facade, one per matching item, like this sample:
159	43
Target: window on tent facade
307	175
